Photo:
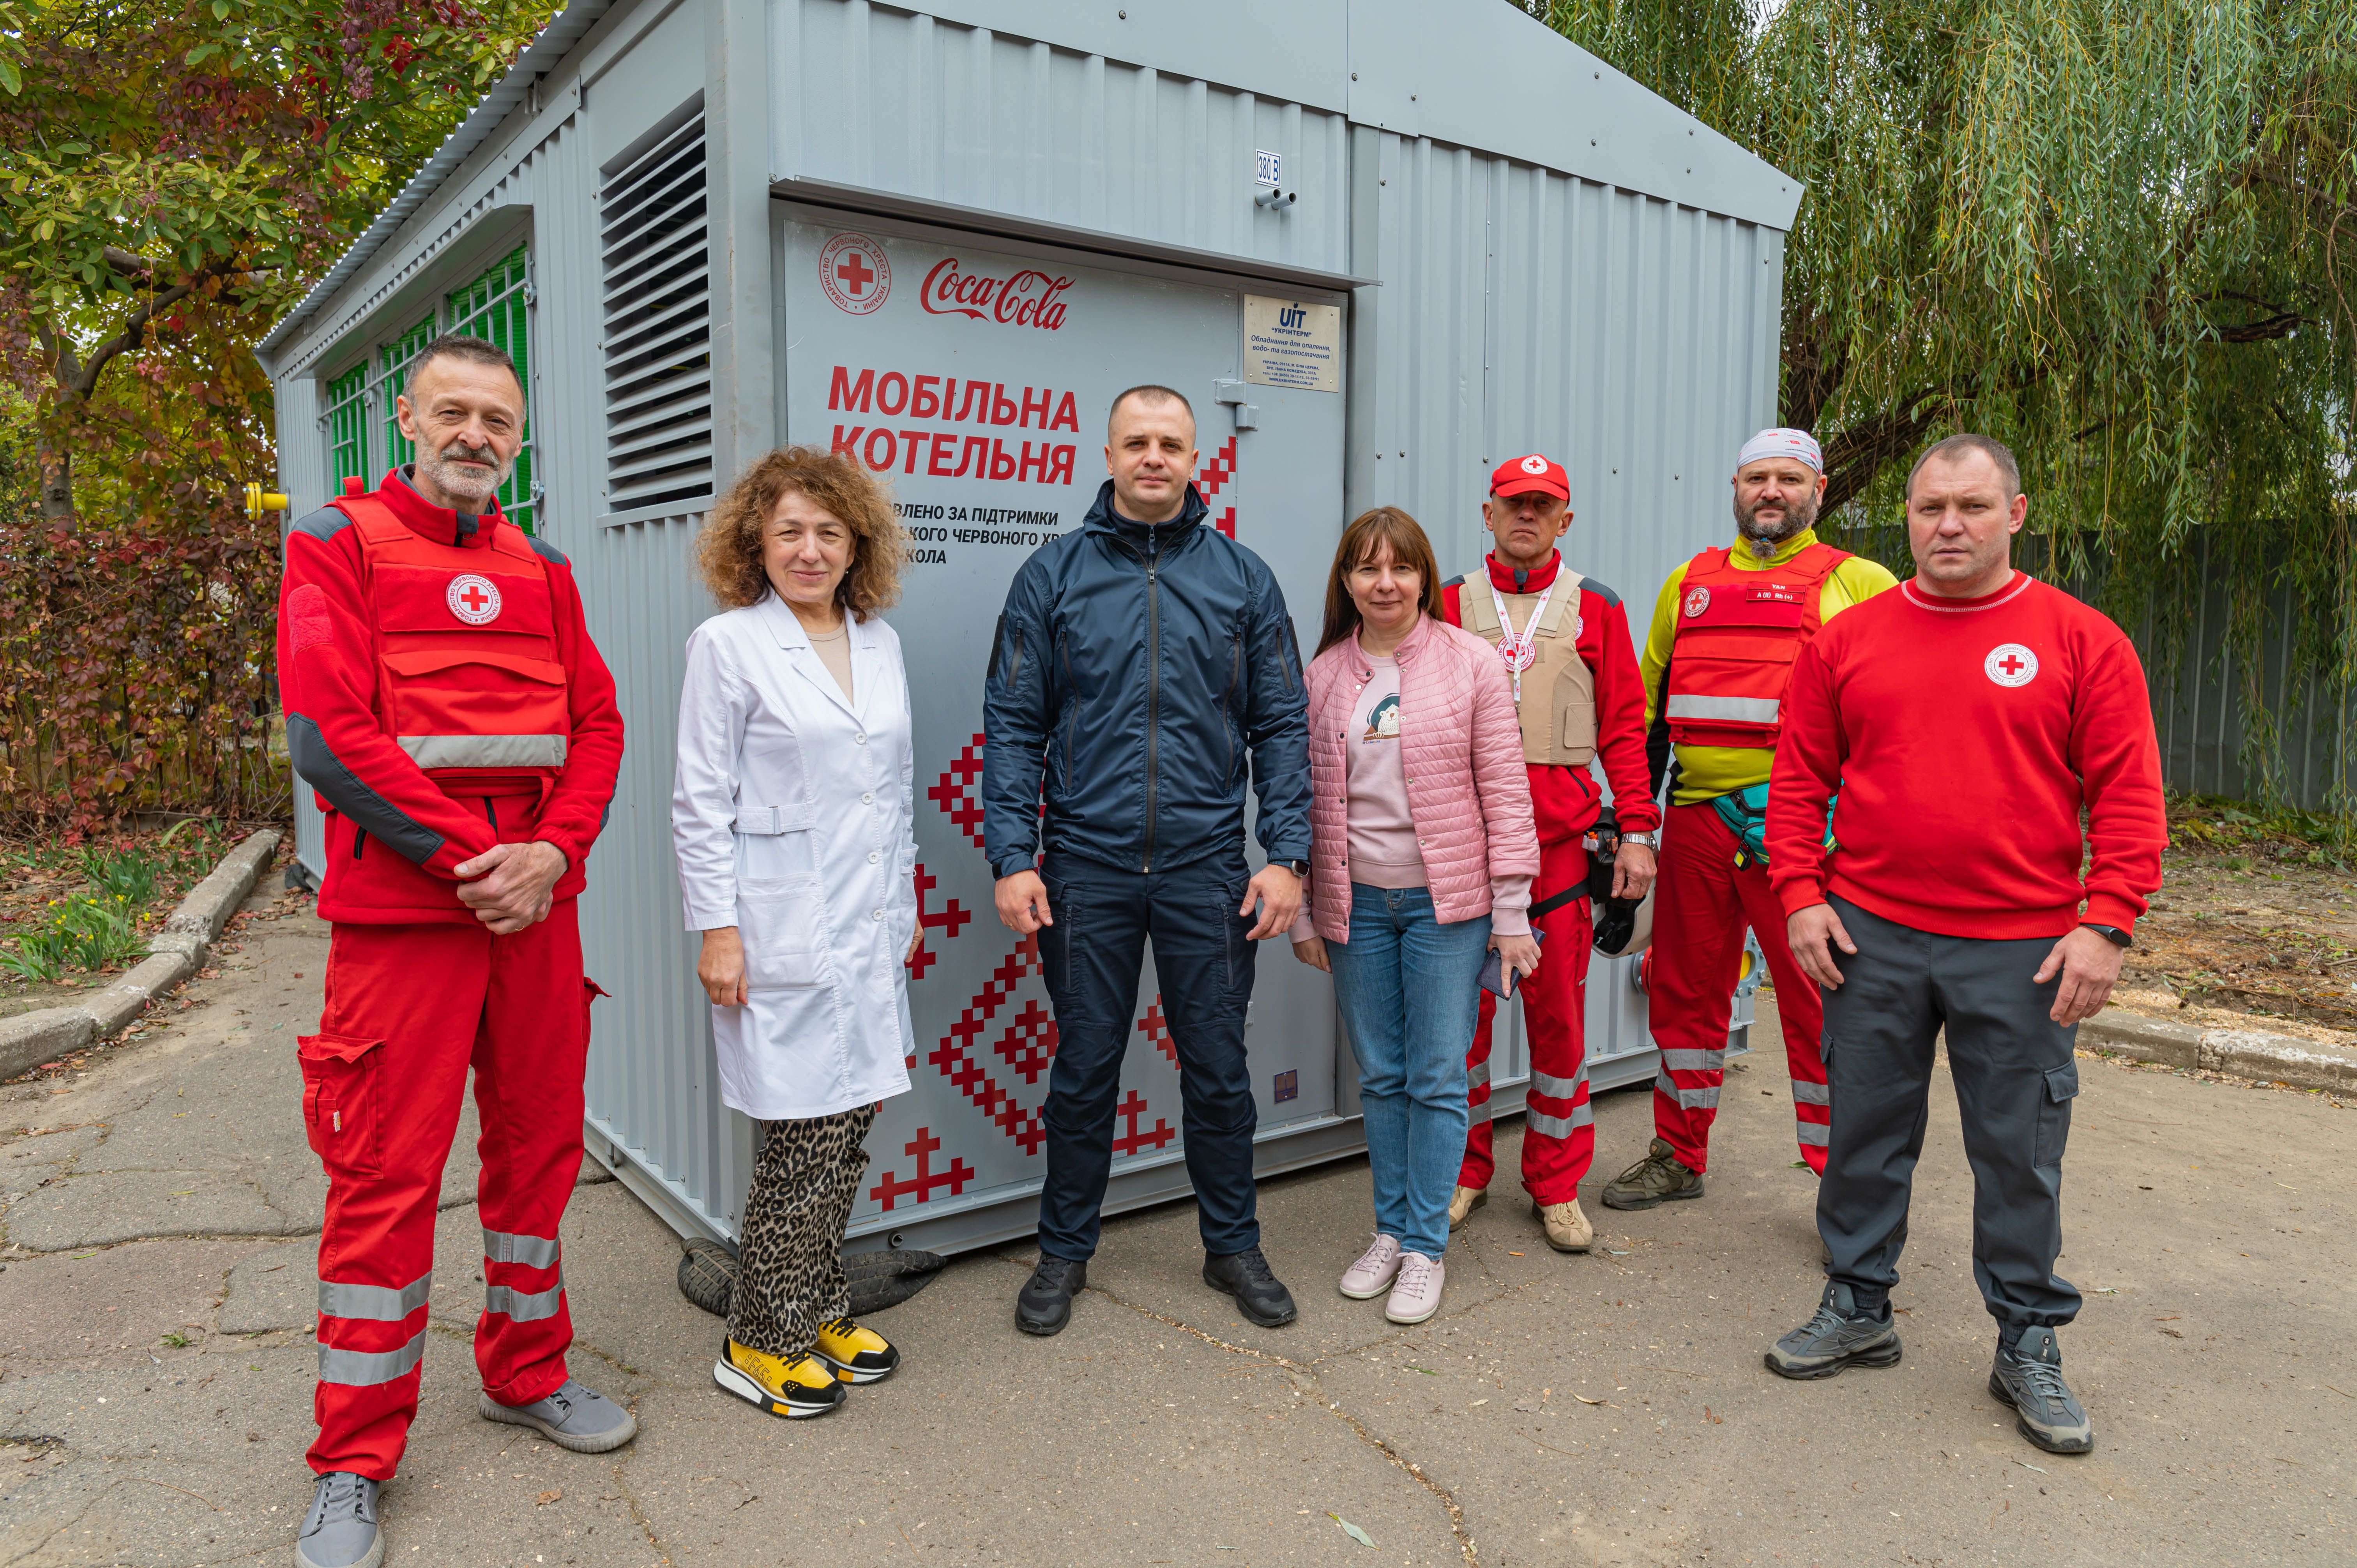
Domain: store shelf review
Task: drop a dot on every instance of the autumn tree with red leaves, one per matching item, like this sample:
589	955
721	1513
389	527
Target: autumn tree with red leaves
173	178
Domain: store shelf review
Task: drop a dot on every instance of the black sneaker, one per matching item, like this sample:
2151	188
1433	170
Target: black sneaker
1045	1303
1839	1335
2030	1378
1246	1277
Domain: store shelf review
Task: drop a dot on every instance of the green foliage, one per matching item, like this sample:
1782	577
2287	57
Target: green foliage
84	932
2120	235
172	178
123	874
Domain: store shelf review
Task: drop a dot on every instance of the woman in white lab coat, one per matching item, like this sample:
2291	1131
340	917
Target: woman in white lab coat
793	818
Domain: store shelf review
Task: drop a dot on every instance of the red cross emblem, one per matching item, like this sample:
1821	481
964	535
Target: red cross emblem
474	599
2010	664
855	272
1697	601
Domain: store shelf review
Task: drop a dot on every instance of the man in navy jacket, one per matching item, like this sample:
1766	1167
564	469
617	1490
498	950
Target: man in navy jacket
1141	660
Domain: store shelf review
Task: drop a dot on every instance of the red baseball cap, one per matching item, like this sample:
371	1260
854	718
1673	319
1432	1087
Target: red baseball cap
1517	475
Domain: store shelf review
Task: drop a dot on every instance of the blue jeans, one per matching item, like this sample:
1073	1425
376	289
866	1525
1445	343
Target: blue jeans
1409	988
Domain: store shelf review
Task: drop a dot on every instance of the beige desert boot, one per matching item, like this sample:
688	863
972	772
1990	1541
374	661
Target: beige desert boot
1463	1202
1567	1230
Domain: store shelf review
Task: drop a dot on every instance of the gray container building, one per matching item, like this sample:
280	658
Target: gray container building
1381	244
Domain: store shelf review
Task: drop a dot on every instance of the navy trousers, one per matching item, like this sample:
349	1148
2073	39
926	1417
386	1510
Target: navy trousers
1093	955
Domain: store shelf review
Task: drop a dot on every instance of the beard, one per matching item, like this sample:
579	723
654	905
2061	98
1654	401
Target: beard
1764	536
444	470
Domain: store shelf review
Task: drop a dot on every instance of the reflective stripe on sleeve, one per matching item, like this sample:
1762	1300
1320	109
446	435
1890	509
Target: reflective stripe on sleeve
1688	1099
1559	1126
1744	710
1807	1093
485	750
375	1304
366	1368
532	1252
523	1307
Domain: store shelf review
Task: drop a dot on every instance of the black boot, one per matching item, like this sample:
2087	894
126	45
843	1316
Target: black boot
1245	1275
1045	1303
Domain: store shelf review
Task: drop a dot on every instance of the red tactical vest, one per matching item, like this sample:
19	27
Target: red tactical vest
470	680
1738	634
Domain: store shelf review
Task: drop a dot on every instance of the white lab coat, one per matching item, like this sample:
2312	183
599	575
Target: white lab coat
794	820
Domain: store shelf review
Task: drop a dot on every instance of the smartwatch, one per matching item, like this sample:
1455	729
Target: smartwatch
1299	868
2112	934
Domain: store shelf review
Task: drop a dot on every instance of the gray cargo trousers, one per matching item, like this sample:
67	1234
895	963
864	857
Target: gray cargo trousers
2015	1077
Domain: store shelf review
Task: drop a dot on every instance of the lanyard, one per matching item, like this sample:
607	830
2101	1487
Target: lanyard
1518	648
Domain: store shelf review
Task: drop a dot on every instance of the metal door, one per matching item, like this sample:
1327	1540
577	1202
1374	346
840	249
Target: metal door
976	373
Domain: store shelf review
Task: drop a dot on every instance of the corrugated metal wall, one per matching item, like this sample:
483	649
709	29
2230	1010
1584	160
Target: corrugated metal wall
962	115
1521	309
2201	706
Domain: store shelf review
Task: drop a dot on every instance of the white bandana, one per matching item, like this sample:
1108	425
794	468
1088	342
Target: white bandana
1781	443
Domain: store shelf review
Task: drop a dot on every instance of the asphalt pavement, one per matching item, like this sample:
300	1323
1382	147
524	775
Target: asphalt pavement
156	1360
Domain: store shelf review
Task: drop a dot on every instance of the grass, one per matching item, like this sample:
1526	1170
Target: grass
2254	832
73	903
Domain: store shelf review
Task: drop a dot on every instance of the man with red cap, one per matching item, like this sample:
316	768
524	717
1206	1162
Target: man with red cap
1727	627
443	700
1564	639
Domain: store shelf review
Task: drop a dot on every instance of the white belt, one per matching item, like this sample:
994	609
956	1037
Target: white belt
768	822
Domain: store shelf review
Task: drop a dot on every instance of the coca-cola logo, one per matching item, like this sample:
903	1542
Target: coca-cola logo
1029	298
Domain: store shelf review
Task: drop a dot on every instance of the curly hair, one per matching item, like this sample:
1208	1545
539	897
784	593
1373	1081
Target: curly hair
729	551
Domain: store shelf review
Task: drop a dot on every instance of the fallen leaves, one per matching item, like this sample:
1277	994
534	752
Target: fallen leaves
550	1496
1352	1530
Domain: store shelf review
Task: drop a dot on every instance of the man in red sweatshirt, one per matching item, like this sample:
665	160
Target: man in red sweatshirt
444	700
1967	719
1564	639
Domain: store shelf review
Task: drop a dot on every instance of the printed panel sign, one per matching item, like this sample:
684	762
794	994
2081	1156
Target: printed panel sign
978	387
1292	343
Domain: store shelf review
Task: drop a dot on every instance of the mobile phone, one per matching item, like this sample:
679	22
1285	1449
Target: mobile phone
1496	979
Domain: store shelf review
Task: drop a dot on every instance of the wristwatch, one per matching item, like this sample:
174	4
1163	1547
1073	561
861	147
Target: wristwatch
2111	934
1299	868
1651	838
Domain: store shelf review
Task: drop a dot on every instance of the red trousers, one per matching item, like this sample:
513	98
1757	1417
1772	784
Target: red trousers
1701	906
409	1009
1558	1128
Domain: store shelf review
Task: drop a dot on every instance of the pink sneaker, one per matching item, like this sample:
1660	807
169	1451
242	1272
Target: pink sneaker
1417	1296
1372	1274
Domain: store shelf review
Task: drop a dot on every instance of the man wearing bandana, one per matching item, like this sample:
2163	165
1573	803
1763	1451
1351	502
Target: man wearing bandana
1564	639
1727	627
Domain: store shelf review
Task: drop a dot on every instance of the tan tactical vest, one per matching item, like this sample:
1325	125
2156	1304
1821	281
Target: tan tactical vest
1558	708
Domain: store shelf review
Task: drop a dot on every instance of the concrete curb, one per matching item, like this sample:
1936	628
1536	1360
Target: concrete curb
2244	1053
177	951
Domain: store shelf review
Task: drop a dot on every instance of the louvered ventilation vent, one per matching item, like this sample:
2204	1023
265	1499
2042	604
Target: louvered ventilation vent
657	262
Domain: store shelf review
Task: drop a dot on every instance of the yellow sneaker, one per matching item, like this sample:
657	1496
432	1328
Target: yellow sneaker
857	1355
793	1389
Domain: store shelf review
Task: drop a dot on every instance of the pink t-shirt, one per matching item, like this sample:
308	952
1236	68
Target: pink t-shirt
1382	835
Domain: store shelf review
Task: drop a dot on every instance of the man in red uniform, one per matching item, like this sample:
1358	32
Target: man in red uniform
1968	720
1564	639
444	700
1726	627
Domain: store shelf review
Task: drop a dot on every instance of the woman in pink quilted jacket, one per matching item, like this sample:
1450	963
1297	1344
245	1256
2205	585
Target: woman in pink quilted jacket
1422	852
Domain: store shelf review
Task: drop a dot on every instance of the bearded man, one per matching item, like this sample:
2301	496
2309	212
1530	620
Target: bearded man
444	700
1727	627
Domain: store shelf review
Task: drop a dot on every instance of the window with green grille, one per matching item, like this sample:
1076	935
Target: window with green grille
347	423
496	307
392	369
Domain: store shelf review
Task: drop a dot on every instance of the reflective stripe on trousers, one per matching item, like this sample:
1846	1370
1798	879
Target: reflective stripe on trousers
523	1306
532	1252
364	1368
1686	1099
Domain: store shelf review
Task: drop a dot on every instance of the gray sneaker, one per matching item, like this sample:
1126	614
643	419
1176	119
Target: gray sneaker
340	1529
1656	1179
2030	1378
1838	1336
575	1416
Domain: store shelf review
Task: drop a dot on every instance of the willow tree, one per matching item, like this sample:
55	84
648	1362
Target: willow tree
2119	235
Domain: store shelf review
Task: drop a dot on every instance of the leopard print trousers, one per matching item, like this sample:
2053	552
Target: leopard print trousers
790	1255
